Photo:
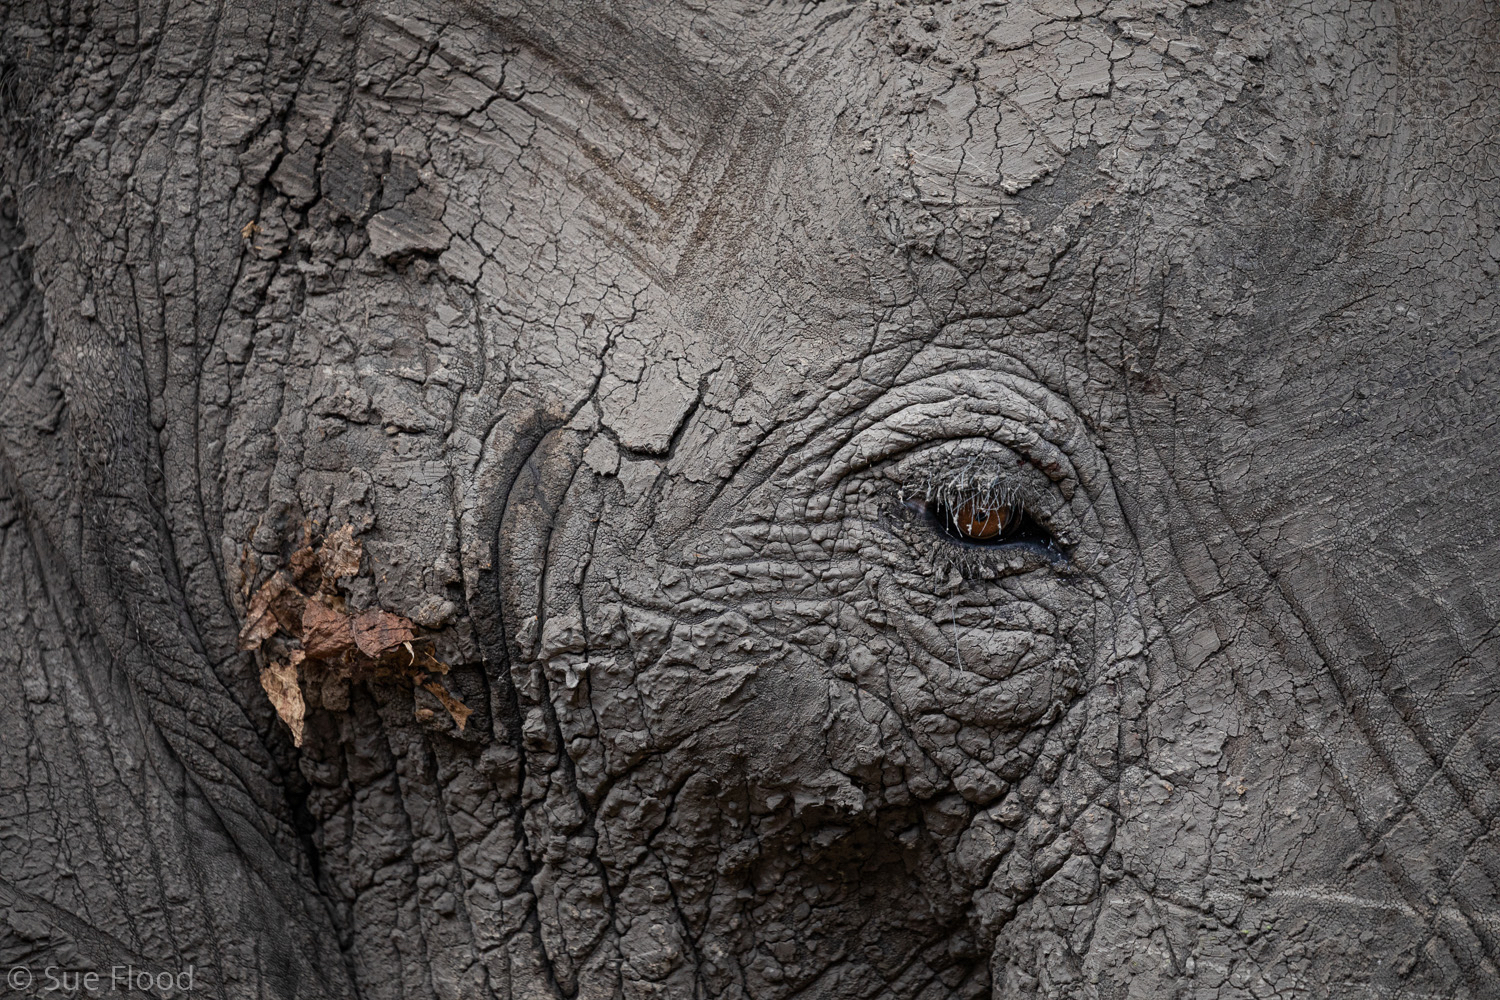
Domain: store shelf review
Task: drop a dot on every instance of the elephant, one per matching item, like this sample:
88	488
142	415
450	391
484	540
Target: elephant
662	499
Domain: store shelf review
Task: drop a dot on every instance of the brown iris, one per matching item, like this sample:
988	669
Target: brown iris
982	521
974	522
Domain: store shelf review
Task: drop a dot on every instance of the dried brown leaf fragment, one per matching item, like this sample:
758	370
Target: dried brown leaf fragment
338	557
302	564
260	619
377	631
456	708
326	631
280	681
305	601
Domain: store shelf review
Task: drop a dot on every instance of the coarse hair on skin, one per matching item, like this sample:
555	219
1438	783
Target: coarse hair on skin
977	481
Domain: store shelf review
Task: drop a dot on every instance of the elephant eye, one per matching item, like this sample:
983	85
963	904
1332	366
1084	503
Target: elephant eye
973	521
984	522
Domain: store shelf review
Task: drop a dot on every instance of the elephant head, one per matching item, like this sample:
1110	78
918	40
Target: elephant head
752	500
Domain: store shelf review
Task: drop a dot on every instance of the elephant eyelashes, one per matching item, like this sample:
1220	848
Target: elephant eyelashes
984	522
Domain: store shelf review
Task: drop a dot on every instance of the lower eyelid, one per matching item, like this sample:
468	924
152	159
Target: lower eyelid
1050	553
929	424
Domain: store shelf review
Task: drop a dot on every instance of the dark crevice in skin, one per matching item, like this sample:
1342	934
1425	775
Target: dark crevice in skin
365	704
305	825
591	810
465	880
496	641
503	612
692	939
394	776
565	763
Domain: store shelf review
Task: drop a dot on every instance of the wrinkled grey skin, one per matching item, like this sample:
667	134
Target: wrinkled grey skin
621	332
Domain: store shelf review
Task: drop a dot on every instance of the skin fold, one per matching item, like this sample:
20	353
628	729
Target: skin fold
636	344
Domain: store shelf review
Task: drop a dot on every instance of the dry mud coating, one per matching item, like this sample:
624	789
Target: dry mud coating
617	379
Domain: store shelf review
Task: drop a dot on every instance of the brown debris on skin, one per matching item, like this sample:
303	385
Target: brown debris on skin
260	621
280	682
336	646
456	708
377	632
326	633
339	556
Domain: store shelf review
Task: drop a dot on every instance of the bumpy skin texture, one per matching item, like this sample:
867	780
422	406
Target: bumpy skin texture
620	332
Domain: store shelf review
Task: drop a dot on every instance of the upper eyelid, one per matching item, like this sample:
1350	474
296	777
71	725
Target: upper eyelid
979	392
937	373
860	454
958	400
958	405
982	387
